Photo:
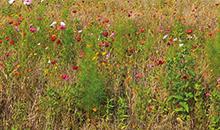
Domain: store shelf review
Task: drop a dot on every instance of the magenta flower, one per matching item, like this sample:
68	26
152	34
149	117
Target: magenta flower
62	26
33	29
65	77
27	2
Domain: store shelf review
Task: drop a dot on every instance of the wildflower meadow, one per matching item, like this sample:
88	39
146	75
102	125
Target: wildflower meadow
109	65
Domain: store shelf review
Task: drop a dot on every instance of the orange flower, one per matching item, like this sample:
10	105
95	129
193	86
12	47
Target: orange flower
53	37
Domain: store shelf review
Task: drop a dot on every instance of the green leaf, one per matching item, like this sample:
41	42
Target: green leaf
185	106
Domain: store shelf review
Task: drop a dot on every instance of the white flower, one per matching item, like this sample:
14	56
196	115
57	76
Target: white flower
62	24
180	45
53	24
165	36
175	39
80	31
11	1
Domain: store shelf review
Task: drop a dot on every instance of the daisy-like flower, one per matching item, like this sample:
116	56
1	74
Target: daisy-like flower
11	1
53	24
80	31
165	36
27	2
180	45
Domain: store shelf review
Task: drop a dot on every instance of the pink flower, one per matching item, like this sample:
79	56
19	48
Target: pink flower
207	94
62	26
33	29
139	75
27	2
218	81
112	35
65	77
